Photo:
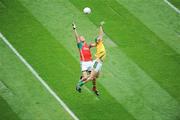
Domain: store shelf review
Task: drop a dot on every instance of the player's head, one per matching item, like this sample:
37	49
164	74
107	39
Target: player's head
82	39
97	39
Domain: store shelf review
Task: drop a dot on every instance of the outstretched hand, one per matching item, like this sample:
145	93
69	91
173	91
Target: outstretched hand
102	23
74	26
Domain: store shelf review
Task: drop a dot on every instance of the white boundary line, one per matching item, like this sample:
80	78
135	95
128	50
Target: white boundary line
39	78
172	6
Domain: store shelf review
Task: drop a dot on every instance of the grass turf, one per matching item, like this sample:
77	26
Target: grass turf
122	77
6	112
127	92
165	26
176	3
50	60
140	45
21	90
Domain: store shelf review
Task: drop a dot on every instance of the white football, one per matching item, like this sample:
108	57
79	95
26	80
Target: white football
87	10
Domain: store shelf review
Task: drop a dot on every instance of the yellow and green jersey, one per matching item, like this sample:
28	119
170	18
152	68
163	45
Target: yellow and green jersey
100	50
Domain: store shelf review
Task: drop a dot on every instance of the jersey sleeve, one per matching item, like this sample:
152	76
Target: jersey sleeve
95	40
79	45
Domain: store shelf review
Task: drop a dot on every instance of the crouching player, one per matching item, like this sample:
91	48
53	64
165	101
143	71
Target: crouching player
85	55
97	63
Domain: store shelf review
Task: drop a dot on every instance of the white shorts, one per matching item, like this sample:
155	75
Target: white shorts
86	65
97	65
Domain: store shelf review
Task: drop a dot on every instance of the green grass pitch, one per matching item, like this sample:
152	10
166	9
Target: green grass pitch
140	78
176	3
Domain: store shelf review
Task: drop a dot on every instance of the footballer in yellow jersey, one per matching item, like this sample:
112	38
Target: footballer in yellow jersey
100	50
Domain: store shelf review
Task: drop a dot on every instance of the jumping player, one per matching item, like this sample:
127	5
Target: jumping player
85	54
97	63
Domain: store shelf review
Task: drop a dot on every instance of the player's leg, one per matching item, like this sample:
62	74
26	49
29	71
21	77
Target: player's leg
85	80
94	88
97	67
84	74
83	77
93	75
85	68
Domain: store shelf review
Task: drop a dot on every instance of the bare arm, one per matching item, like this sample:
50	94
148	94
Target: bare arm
75	33
92	45
100	36
100	31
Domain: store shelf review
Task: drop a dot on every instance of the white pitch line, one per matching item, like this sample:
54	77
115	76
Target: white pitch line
172	6
39	78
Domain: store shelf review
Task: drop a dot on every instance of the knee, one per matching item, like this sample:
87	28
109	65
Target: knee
85	76
92	78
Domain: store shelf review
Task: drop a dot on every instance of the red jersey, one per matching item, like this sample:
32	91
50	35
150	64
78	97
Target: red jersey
84	50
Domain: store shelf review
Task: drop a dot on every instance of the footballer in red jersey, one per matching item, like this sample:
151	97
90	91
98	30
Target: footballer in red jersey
85	54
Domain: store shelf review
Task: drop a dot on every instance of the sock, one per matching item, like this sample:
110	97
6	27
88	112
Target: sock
81	83
80	79
94	85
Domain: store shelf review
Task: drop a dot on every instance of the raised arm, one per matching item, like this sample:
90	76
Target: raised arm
100	35
75	33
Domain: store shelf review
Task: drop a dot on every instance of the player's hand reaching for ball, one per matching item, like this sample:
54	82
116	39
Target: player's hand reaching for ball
74	26
102	23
